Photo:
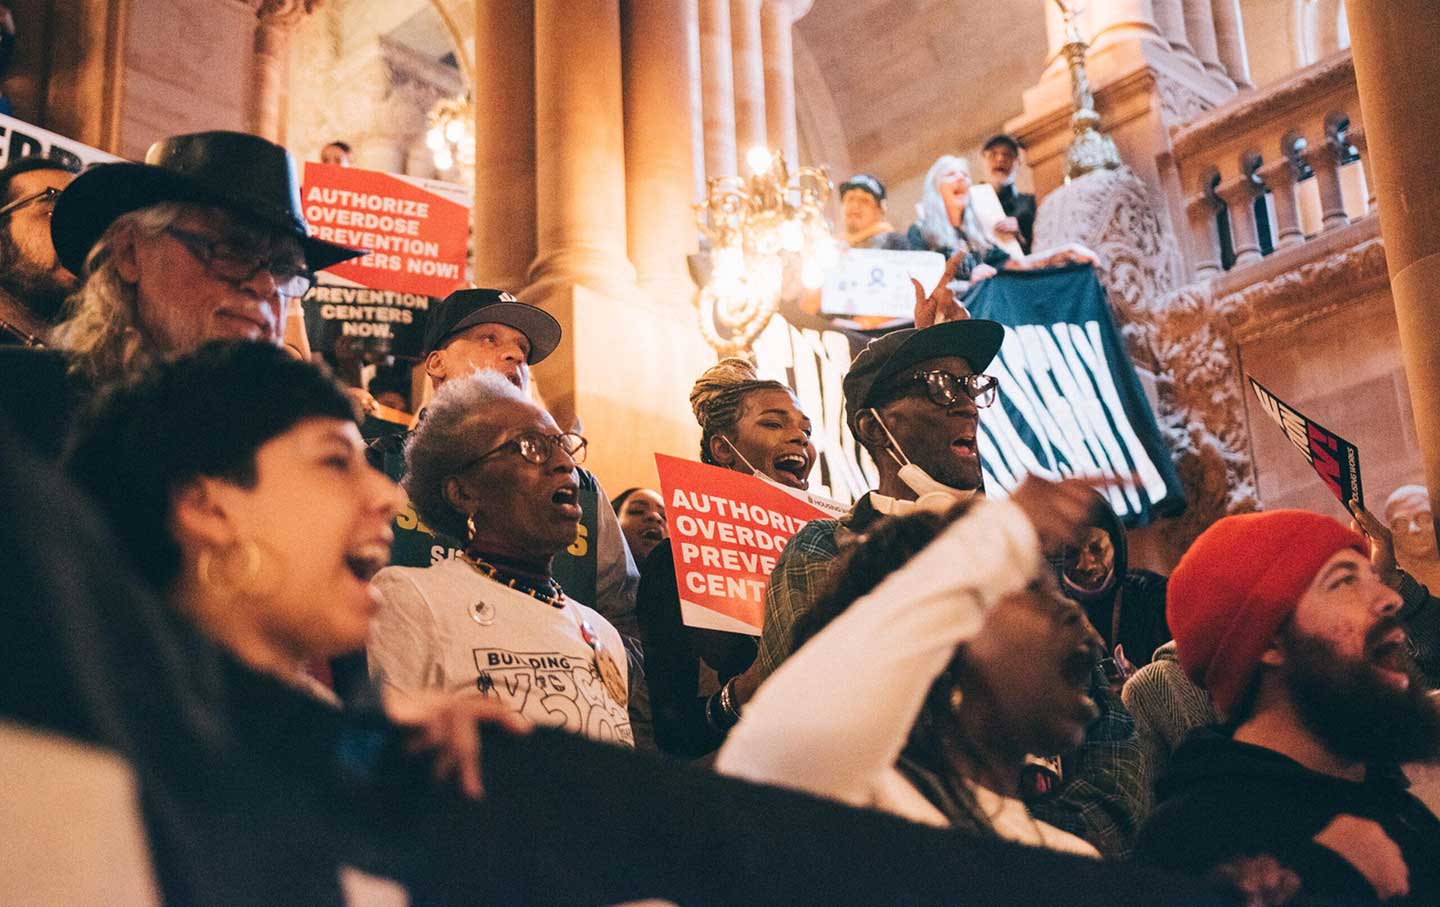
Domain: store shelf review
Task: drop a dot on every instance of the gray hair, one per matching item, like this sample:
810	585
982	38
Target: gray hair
444	441
102	333
934	220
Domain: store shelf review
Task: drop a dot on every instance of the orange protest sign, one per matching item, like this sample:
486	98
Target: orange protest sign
727	530
416	238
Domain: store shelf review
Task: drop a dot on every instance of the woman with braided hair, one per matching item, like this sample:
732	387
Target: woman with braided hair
747	424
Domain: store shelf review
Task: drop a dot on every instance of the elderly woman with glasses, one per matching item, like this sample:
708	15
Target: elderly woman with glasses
491	467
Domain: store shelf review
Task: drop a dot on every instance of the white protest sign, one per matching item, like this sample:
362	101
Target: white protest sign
19	139
989	212
877	282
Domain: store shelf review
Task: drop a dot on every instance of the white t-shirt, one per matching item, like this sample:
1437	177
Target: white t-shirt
449	628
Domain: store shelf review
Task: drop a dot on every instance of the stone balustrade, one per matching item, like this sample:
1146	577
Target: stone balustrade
1272	168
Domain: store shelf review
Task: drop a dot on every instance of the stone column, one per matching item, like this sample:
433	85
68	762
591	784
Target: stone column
1280	177
748	60
275	18
1396	48
504	97
1239	197
776	20
1170	19
579	146
1324	158
1230	41
717	87
1200	30
659	164
1204	248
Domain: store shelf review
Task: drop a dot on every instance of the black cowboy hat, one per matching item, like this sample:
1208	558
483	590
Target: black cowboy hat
241	173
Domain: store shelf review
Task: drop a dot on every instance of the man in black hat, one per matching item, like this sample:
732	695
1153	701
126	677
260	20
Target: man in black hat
203	241
33	283
1001	154
912	399
862	201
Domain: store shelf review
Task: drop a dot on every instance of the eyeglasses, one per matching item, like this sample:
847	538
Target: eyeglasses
537	448
944	388
233	263
44	197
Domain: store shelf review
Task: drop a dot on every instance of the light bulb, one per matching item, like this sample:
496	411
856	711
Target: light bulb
443	160
454	132
758	159
792	236
434	139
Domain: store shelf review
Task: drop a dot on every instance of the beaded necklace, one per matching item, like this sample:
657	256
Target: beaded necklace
605	665
552	595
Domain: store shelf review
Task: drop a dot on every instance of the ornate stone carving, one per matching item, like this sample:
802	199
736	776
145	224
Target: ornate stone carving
1110	212
1179	103
1287	300
1202	408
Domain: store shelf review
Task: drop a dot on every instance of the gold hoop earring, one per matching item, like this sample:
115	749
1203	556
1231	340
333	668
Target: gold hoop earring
957	699
469	529
205	560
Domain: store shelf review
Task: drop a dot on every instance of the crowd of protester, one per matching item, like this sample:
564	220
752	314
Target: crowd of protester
954	698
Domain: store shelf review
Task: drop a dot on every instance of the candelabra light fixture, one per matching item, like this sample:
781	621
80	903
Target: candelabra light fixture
451	138
763	230
1091	149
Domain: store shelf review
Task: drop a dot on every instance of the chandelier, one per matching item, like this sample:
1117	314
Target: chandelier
761	228
451	138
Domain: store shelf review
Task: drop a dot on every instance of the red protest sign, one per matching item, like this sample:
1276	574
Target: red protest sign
1335	460
416	238
727	529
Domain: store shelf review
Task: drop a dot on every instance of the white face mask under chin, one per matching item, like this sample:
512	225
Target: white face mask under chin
930	494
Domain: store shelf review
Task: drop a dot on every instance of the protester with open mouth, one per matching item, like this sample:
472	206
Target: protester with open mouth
641	512
747	424
958	656
1282	619
489	466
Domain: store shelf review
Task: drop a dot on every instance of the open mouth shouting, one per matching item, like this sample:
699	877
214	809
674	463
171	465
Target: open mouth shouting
567	500
792	469
1388	651
1076	669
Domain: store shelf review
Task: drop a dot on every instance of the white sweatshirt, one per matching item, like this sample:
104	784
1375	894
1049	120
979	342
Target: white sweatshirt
833	719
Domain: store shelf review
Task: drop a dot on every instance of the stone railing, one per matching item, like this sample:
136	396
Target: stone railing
1272	169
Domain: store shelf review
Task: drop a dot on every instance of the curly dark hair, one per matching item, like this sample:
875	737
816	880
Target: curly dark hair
203	414
888	546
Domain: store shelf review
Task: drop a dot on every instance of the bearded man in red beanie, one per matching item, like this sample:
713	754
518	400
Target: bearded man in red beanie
1282	619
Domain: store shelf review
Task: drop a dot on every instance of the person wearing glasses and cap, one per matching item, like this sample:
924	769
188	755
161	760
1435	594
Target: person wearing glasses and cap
490	467
33	283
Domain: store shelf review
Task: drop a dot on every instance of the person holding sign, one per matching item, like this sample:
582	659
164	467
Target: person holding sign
959	657
489	466
749	425
1001	153
946	222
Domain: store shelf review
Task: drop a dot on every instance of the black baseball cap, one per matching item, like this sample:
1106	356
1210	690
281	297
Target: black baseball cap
866	182
972	339
463	309
1000	139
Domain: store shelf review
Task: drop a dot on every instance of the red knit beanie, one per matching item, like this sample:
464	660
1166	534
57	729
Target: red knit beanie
1237	585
